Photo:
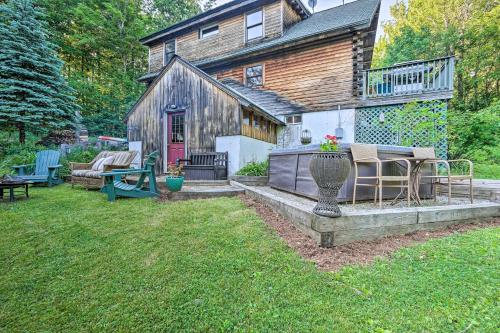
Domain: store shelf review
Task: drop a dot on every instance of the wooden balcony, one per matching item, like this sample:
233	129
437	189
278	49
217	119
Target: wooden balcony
402	83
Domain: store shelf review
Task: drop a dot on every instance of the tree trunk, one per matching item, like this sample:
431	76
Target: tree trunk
22	133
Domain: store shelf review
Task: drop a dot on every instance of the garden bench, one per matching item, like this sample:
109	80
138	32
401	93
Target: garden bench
205	166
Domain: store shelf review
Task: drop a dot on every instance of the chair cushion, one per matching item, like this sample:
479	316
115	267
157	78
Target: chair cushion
107	161
97	164
121	158
93	174
79	173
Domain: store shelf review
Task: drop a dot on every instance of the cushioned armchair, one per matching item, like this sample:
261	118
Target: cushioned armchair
89	174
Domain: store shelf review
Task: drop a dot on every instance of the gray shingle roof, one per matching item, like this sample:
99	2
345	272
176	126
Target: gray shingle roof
352	14
266	100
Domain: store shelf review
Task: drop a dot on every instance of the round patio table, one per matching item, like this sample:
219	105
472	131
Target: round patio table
415	177
11	186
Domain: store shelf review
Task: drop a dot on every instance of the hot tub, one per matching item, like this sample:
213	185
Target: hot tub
289	171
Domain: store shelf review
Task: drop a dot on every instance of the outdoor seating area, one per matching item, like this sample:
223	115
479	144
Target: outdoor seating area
45	170
89	175
205	166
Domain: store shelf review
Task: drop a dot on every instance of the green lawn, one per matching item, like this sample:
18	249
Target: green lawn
71	262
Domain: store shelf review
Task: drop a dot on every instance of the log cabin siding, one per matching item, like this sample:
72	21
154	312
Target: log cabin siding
156	57
319	78
231	37
290	16
209	112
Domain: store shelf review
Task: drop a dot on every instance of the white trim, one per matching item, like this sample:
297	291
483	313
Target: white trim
175	48
245	36
200	34
149	59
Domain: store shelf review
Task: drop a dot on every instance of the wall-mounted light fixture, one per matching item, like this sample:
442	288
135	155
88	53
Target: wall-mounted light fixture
306	137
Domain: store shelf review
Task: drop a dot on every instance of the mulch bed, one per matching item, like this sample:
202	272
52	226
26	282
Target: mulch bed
361	252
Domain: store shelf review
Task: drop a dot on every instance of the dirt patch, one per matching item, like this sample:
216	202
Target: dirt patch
361	252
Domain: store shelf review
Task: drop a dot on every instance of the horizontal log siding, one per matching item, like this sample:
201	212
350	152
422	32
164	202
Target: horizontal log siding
231	37
290	16
272	20
210	112
319	79
156	57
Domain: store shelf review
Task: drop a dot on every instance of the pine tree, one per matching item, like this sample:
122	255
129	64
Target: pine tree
34	96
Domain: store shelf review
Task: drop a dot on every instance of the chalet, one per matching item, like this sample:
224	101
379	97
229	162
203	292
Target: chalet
251	75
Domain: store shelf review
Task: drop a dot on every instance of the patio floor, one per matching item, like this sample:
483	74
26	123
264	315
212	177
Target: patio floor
367	221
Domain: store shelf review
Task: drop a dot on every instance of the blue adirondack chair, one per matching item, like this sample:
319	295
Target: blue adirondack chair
115	187
45	169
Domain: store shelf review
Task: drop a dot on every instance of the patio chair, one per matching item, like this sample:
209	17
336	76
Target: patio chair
115	187
438	165
45	169
367	154
89	176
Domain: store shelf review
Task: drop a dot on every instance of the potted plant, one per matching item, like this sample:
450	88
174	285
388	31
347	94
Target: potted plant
175	177
330	168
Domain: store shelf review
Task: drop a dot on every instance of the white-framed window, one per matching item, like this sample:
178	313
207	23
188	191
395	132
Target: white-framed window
254	76
293	119
209	31
169	51
254	23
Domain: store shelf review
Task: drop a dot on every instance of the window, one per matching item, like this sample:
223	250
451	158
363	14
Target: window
291	120
169	51
254	24
253	76
209	31
178	128
246	117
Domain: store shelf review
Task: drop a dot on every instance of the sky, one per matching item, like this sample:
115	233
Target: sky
325	4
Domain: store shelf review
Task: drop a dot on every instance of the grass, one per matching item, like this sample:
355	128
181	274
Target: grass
72	262
486	171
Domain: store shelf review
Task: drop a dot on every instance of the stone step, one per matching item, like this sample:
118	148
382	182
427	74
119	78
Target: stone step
203	192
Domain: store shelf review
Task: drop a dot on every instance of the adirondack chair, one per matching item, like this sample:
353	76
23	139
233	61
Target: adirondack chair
45	169
115	187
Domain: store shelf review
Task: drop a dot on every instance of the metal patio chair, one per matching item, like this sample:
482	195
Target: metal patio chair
367	154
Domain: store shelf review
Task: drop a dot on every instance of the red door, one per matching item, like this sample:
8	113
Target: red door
175	137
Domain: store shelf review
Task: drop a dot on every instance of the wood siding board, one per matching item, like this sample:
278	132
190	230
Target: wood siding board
297	75
210	112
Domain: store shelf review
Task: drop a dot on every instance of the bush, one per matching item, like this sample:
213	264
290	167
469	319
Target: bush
77	155
254	169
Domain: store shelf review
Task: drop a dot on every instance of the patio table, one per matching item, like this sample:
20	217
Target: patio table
11	186
415	176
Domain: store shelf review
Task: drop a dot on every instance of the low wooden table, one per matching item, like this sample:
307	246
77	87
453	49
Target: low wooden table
11	186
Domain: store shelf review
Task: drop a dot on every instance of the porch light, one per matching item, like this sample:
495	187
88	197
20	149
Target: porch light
306	137
381	118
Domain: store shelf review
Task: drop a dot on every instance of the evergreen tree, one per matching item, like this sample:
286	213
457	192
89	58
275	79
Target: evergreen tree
34	95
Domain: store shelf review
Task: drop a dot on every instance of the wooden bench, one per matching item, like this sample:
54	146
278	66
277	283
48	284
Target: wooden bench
205	166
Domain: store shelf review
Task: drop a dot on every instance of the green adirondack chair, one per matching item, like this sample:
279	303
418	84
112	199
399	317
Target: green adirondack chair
115	187
45	169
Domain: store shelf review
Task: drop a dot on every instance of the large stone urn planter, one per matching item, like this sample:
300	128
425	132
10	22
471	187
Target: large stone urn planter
329	170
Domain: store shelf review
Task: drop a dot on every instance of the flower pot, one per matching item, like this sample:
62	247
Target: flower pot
329	170
174	183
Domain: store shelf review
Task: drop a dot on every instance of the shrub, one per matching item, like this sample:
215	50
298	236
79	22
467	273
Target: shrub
254	169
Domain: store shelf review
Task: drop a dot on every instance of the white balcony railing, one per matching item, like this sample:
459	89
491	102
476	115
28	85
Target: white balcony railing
411	78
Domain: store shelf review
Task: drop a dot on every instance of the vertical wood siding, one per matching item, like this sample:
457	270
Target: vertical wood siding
210	112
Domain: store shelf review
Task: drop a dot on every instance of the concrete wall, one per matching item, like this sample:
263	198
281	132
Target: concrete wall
242	150
319	123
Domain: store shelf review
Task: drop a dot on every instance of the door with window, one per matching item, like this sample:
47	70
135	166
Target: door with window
175	137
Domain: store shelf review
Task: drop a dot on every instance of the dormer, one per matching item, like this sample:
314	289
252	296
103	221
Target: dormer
224	29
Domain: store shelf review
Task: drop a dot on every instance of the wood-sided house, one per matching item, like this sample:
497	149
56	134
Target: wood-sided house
252	74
